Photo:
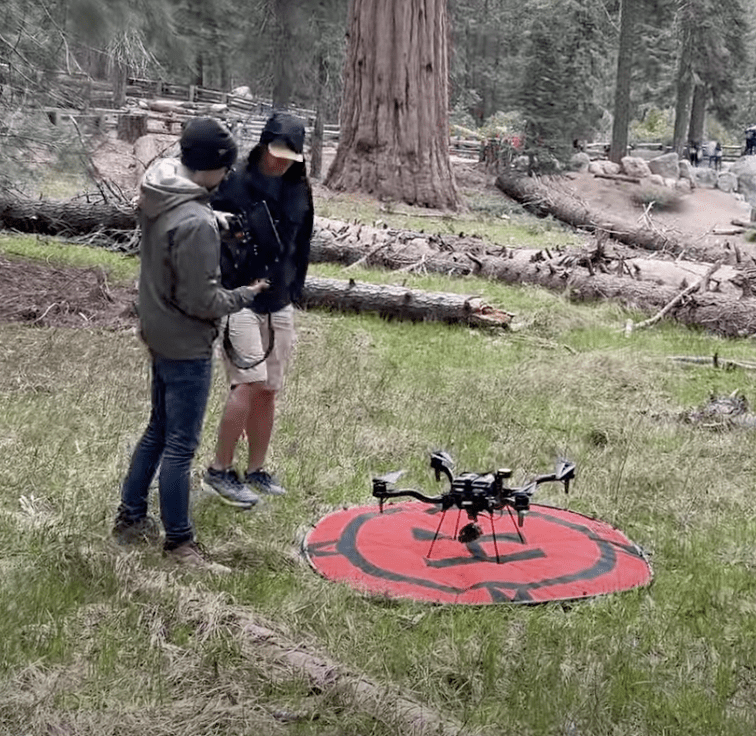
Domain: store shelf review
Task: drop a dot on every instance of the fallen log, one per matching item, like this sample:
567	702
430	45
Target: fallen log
543	201
619	177
745	225
723	314
402	303
715	362
702	284
72	217
76	297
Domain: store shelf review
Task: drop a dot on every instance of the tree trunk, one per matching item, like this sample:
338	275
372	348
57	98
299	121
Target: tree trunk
316	143
394	139
130	128
684	84
283	84
199	69
621	120
398	302
698	114
120	76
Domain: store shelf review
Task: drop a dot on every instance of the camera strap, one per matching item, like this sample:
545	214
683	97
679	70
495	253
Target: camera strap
233	353
262	230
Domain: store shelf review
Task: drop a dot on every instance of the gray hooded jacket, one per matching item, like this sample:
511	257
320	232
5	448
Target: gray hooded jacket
181	299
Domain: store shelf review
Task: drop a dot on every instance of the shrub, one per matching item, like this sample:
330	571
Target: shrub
662	198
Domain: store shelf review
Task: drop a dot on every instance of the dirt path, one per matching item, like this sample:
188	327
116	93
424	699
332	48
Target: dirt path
702	216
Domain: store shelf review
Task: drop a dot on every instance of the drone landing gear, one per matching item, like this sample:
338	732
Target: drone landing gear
471	532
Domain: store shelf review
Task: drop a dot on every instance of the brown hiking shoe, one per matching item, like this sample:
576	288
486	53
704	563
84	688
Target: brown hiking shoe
143	531
191	556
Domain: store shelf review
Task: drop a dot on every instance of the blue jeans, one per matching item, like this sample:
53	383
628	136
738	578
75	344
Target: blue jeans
180	389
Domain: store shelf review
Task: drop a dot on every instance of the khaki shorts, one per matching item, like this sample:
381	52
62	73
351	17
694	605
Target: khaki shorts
250	335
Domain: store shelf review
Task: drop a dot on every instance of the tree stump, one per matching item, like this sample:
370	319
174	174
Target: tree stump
131	127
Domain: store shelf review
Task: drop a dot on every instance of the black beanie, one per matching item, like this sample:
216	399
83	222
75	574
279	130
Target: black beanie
206	145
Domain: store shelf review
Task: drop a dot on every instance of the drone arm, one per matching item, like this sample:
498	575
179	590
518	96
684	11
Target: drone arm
384	493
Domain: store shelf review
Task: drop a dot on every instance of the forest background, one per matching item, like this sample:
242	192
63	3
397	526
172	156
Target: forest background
664	71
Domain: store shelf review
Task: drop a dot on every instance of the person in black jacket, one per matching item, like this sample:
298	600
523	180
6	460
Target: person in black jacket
266	208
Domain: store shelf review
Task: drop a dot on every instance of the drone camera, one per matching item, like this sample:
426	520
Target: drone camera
379	487
565	471
469	533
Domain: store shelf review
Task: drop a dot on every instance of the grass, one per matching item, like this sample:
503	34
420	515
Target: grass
97	641
488	216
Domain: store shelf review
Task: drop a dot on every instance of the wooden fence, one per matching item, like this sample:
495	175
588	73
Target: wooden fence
166	106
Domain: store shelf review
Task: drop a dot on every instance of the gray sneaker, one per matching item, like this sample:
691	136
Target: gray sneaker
143	531
263	482
229	488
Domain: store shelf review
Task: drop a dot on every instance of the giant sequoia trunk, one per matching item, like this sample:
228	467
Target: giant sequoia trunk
394	139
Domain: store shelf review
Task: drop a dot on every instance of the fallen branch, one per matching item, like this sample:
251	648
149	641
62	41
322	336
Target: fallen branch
744	224
380	701
279	658
702	283
714	361
618	177
366	257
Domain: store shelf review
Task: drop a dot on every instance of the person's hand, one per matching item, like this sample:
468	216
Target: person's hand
252	290
222	219
259	285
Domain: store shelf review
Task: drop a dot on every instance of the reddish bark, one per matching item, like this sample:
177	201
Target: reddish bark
394	117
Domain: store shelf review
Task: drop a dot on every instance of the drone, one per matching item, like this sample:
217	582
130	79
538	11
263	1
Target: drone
475	494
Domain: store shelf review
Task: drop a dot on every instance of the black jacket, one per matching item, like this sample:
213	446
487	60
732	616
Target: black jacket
281	252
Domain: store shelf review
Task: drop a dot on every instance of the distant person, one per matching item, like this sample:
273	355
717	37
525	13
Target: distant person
181	301
750	141
272	200
694	152
715	159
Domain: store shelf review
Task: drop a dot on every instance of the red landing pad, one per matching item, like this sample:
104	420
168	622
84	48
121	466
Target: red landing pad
564	555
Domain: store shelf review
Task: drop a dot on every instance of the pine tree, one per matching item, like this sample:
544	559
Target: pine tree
565	48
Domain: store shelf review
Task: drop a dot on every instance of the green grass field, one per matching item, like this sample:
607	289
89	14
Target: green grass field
94	640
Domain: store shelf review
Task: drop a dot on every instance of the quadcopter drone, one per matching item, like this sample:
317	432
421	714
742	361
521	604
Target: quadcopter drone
475	494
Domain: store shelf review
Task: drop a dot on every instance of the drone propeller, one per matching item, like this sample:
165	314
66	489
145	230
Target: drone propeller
442	462
391	478
565	472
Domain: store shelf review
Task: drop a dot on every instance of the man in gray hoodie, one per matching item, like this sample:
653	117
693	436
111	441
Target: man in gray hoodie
181	302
